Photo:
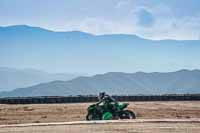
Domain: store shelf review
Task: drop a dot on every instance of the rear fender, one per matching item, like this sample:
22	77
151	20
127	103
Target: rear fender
123	106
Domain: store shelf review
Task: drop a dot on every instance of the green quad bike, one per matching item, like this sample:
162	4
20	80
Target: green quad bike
108	109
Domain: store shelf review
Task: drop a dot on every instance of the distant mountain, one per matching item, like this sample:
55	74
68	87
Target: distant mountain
11	78
79	52
183	81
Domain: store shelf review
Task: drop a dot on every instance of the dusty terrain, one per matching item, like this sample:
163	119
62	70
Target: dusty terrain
41	114
37	113
133	126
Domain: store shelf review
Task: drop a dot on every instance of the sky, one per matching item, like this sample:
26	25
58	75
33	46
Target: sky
153	19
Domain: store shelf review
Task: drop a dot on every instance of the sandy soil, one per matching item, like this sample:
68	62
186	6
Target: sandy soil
37	113
110	128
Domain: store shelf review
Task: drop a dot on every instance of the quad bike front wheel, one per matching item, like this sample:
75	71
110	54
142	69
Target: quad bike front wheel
91	117
127	114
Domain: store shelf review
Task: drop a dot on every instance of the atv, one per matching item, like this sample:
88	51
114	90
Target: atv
108	109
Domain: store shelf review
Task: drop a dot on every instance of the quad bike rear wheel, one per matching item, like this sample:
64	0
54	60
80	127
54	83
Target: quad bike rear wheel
107	116
127	114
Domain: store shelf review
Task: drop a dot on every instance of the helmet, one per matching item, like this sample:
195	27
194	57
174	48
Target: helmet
101	95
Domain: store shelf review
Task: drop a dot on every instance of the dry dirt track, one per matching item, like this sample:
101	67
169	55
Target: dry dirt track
45	113
117	126
37	113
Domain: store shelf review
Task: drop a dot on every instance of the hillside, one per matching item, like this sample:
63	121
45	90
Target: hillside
11	78
183	81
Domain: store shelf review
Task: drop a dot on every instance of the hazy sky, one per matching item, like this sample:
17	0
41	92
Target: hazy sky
155	19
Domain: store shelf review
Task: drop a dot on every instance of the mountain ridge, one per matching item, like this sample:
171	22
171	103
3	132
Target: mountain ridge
178	82
25	27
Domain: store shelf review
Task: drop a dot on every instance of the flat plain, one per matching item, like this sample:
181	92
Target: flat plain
45	113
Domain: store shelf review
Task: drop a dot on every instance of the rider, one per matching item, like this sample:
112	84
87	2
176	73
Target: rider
103	97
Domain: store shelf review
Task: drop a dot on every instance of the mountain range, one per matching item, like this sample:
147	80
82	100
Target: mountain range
179	82
23	46
116	55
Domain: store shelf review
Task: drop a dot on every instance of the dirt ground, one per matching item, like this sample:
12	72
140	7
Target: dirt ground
38	113
110	128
